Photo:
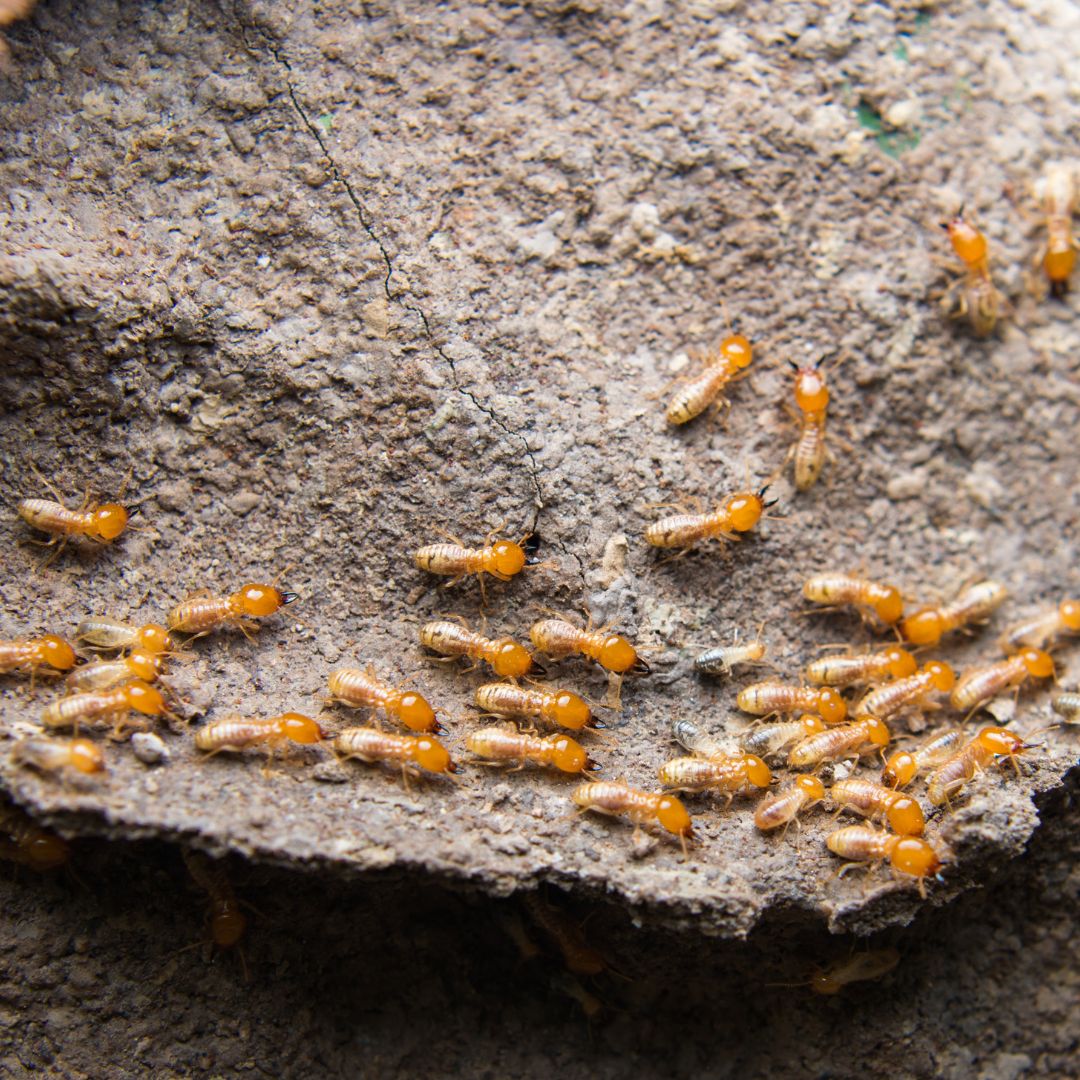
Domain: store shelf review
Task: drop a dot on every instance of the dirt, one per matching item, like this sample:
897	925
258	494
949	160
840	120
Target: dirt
326	282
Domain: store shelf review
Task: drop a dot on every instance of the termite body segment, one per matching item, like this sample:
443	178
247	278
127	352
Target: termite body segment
909	855
732	357
506	657
903	814
227	921
558	638
412	753
641	807
501	744
502	559
578	955
114	706
887	700
929	625
108	634
560	707
103	523
980	300
690	736
769	698
25	842
364	689
239	732
33	656
1040	630
103	674
731	774
1060	199
862	967
904	765
771	739
950	778
978	685
1067	706
723	659
738	513
872	667
199	615
840	742
843	590
59	755
785	806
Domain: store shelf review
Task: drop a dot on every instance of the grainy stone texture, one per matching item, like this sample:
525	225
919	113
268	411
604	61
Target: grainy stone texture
326	282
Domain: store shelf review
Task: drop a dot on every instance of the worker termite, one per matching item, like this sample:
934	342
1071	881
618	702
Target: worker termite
412	753
103	674
502	559
731	774
900	694
738	513
113	706
365	690
907	855
893	662
767	698
107	634
723	659
1038	631
506	657
34	656
978	685
1067	706
838	743
691	737
862	967
59	755
785	806
273	732
733	356
227	921
25	842
929	625
904	765
772	739
620	800
837	590
560	707
903	814
1057	191
979	299
204	612
505	744
577	954
949	778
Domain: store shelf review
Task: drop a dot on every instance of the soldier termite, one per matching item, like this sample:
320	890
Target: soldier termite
904	765
785	806
732	357
365	690
108	634
560	707
227	922
929	625
902	813
641	807
730	774
978	685
25	842
862	967
501	559
111	706
103	674
772	739
411	753
59	755
1067	706
893	662
899	694
838	743
838	590
273	732
506	657
33	656
1057	190
203	613
508	745
991	744
767	698
812	401
907	855
1040	630
738	513
980	301
723	659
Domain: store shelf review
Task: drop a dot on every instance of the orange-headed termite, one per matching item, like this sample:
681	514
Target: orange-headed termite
25	842
200	615
227	921
731	774
862	967
560	707
558	638
929	625
909	855
502	559
978	685
108	634
506	657
103	522
1067	706
949	778
839	590
837	743
771	739
904	765
979	299
103	674
1038	631
767	698
812	401
412	753
738	513
240	732
506	744
59	755
846	670
33	656
899	694
112	706
1057	190
732	357
785	806
365	690
578	955
618	799
903	814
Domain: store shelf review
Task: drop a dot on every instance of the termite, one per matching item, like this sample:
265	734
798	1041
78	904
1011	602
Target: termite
812	401
560	707
738	513
227	921
502	559
767	698
772	739
59	755
558	638
506	657
203	613
732	774
503	744
837	743
723	659
785	806
910	855
862	967
899	694
690	736
240	732
35	655
108	634
102	522
412	753
904	765
620	800
929	625
903	814
578	955
837	590
1038	631
733	356
847	670
978	685
25	842
1067	706
979	299
949	778
365	690
114	706
1057	189
103	674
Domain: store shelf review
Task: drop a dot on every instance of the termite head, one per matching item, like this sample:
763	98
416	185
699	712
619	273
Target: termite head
812	787
1038	663
811	393
876	731
968	243
889	606
673	816
570	757
942	677
415	713
505	559
1001	742
906	817
571	711
110	520
430	754
744	510
45	851
737	351
900	769
260	600
56	652
619	656
831	705
899	662
227	924
924	627
300	729
144	665
1069	613
143	698
86	756
916	857
511	660
154	638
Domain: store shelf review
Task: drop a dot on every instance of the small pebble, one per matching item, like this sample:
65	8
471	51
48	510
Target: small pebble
330	772
149	749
